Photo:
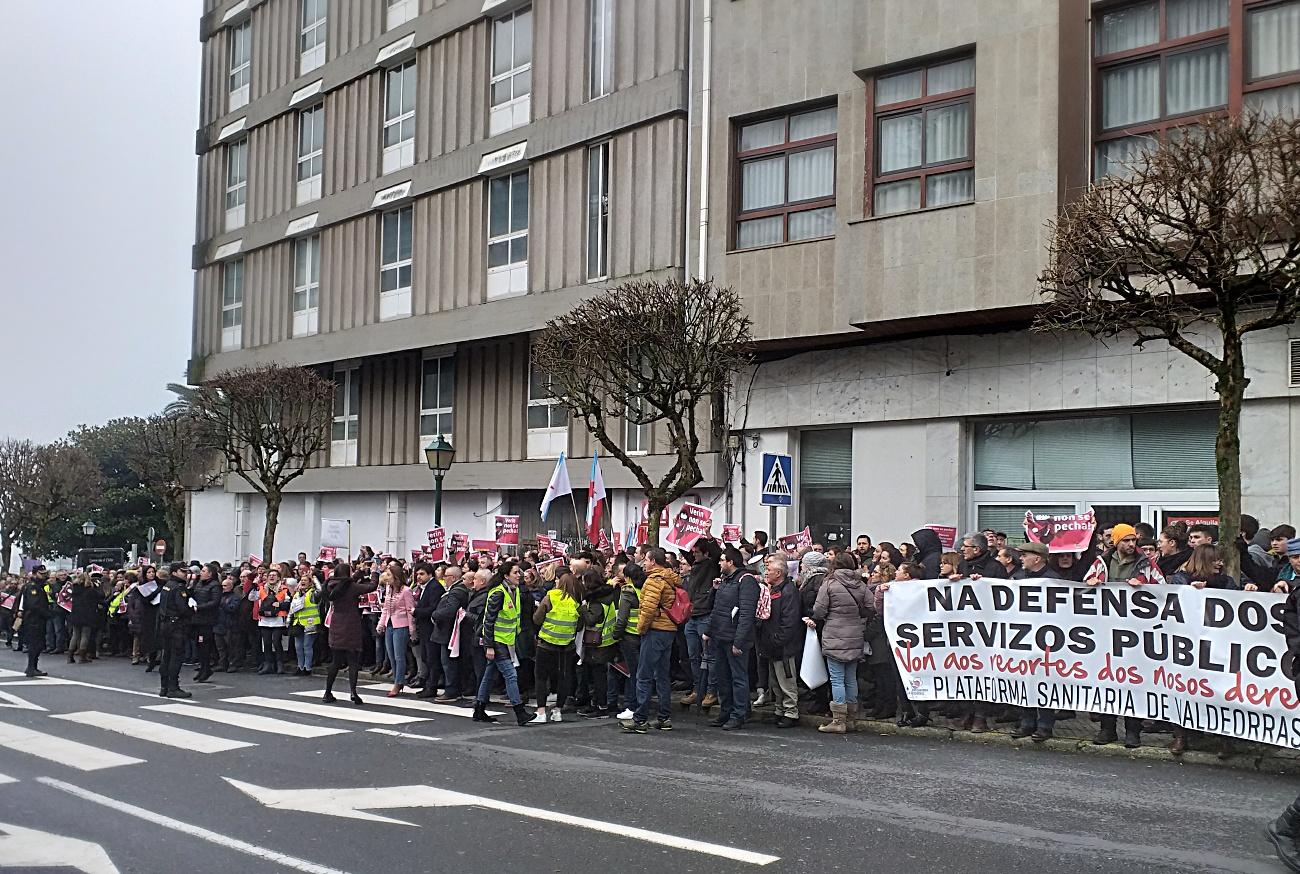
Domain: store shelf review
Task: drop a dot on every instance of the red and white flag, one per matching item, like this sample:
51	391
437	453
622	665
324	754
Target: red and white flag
596	497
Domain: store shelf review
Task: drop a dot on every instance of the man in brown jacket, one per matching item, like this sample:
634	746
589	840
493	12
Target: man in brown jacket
657	631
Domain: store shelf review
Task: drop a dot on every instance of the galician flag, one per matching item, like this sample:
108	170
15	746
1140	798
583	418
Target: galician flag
595	499
559	485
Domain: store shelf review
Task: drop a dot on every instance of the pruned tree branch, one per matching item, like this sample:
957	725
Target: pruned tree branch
645	353
1197	240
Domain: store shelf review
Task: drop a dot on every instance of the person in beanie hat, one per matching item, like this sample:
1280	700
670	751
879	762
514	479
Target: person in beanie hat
1289	572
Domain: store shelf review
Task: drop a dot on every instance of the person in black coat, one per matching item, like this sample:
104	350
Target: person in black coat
207	603
780	640
87	606
443	619
174	615
977	561
430	595
34	612
1284	831
928	551
731	628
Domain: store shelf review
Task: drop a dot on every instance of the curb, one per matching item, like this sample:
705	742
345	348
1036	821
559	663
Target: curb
1245	761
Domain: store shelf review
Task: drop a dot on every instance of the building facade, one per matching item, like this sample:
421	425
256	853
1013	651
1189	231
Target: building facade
399	192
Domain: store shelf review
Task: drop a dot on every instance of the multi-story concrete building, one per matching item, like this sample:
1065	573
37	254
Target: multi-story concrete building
400	191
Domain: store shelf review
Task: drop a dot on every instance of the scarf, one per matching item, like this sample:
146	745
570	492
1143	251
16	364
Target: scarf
764	608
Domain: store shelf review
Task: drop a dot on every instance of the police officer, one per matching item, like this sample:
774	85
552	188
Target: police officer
175	608
34	611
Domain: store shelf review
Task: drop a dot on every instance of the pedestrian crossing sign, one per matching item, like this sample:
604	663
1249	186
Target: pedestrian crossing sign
777	482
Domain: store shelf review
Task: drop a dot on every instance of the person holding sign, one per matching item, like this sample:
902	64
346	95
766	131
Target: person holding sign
1284	831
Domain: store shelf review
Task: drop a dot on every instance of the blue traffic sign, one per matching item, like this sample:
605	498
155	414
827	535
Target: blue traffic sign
778	484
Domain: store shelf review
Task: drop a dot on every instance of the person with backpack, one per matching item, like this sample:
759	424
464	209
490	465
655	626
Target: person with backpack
731	629
664	606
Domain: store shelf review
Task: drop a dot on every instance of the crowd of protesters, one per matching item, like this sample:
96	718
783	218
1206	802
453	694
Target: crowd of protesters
605	634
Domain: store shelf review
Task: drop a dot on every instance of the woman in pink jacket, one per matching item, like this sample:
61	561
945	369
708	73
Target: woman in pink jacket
395	621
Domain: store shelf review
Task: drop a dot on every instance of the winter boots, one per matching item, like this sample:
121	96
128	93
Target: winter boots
1284	832
480	713
522	716
851	720
838	723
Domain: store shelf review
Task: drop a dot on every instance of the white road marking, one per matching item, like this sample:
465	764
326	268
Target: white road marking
248	720
152	817
155	732
28	848
5	672
406	734
416	704
329	711
6	779
8	699
52	748
37	682
353	804
62	681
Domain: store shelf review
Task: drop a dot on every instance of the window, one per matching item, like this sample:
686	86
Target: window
598	211
399	118
636	438
400	12
786	168
232	305
600	73
1273	58
512	71
395	264
236	184
826	483
1168	450
306	286
311	41
437	393
241	53
347	404
548	425
311	153
508	235
1161	64
923	153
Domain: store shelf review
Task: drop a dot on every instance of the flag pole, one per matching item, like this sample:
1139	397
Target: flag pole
576	521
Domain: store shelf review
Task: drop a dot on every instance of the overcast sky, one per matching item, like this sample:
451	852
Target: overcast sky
97	169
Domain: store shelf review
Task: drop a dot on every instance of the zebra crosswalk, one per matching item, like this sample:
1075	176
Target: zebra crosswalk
250	721
155	732
231	724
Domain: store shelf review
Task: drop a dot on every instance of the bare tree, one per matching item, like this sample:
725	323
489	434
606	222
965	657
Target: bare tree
17	478
647	352
1194	245
266	423
172	457
67	483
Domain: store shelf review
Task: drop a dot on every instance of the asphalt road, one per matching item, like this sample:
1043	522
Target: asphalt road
445	794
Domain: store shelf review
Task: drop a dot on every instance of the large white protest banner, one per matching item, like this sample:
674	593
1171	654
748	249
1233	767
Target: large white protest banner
1210	659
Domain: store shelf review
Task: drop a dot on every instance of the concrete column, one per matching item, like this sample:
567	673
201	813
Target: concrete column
311	516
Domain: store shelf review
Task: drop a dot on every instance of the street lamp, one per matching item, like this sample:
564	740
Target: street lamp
88	529
440	454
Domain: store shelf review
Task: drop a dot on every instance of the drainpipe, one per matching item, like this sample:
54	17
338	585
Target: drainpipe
706	106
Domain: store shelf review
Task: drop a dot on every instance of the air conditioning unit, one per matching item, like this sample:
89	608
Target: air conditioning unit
1293	362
